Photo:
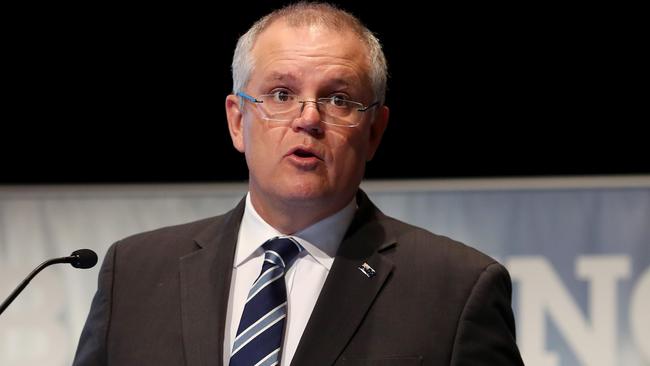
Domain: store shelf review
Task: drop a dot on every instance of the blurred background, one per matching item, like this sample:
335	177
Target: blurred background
98	94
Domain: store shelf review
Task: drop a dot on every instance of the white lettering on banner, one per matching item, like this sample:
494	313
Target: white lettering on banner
541	292
640	315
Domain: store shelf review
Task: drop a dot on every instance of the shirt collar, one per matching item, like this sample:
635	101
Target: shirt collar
321	240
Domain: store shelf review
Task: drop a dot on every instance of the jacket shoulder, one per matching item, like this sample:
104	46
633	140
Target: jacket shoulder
419	244
177	239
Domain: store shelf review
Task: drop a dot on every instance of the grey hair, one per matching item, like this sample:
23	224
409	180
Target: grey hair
306	14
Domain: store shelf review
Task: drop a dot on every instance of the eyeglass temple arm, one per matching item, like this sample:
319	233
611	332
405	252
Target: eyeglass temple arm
368	107
248	97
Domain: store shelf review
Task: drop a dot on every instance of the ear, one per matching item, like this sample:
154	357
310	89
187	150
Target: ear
235	117
377	128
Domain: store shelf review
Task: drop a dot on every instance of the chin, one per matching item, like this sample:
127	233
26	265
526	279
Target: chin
306	190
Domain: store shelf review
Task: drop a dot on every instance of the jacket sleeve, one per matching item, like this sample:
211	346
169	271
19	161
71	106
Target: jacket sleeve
486	328
91	350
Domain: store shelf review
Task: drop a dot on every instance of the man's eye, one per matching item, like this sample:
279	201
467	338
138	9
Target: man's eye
281	96
339	102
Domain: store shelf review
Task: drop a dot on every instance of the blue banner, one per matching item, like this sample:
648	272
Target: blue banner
578	251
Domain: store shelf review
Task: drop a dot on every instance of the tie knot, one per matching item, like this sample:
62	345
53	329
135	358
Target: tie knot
281	251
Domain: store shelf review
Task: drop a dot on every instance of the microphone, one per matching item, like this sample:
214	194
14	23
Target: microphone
82	258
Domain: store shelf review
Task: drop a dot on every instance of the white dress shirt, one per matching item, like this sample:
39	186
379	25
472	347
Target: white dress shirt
304	279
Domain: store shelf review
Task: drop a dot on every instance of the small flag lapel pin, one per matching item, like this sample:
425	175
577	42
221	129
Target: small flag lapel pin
367	270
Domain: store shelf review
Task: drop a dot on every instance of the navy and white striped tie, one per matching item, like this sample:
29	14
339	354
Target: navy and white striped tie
259	336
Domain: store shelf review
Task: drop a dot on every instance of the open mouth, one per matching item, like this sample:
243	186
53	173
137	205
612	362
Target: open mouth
304	154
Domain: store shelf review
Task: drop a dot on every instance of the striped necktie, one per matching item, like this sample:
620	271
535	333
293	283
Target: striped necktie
259	336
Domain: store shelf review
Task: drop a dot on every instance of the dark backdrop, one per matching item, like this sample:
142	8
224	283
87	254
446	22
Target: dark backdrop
100	94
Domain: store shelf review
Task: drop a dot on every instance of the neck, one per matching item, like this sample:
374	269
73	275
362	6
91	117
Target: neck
291	217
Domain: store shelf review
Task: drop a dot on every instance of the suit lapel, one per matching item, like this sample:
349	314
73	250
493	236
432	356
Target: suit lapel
205	276
348	292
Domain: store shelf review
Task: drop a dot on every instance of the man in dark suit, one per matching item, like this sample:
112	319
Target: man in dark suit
305	270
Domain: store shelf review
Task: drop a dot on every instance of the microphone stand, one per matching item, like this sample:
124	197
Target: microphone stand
25	282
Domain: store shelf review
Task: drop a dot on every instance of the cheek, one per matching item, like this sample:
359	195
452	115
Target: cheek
349	151
261	143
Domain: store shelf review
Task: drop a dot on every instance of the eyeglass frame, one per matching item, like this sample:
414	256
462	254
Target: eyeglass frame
317	101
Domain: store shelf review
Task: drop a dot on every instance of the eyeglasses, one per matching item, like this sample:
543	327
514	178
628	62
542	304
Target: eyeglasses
284	107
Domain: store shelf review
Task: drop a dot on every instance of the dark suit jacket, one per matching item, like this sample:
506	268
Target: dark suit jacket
162	299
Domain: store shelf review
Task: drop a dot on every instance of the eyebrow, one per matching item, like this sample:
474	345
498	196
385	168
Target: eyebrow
281	76
290	77
338	82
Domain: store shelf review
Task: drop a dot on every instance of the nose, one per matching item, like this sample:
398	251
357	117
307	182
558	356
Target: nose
309	119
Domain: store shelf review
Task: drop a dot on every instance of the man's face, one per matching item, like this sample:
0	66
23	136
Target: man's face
305	162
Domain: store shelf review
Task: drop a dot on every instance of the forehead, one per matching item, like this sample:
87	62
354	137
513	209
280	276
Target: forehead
284	52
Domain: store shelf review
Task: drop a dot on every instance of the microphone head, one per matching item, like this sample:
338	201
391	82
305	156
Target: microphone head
83	258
